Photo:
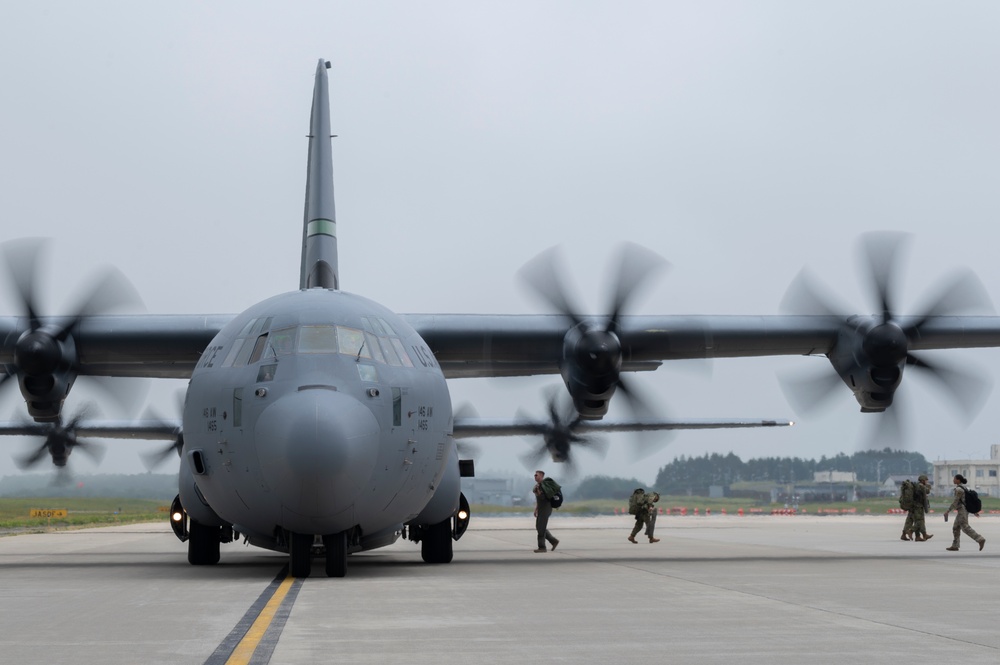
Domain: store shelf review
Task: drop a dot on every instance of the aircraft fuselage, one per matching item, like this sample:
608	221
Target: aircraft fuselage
318	412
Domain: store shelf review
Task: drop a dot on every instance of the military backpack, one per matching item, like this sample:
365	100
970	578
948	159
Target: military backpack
636	500
906	495
972	501
552	492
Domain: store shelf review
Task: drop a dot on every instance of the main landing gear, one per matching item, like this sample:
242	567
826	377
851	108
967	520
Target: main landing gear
203	544
436	543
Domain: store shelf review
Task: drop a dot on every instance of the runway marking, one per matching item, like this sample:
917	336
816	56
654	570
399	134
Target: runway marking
255	636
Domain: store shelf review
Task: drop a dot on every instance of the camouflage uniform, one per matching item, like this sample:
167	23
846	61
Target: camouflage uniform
646	516
961	520
543	510
915	516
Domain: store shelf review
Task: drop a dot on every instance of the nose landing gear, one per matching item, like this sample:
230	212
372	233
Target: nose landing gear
300	553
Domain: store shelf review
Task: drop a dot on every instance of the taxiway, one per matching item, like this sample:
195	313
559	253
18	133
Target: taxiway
715	589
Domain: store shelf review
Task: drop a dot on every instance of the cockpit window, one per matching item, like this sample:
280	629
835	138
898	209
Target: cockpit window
390	353
371	343
352	342
246	328
317	339
281	342
258	349
378	344
262	325
401	352
386	327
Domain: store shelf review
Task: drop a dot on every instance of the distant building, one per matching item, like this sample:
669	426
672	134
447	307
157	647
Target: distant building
983	475
489	491
835	477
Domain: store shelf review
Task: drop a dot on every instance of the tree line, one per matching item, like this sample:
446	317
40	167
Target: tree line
697	473
694	475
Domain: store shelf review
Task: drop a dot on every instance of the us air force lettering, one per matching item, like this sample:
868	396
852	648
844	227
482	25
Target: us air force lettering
319	423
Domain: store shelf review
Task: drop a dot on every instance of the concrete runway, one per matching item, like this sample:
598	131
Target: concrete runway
803	589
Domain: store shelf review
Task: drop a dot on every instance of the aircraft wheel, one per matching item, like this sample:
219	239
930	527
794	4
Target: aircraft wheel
203	544
300	554
435	545
336	554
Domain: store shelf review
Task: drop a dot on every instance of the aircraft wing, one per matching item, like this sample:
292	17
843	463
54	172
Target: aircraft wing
139	430
468	345
149	346
464	428
474	428
497	345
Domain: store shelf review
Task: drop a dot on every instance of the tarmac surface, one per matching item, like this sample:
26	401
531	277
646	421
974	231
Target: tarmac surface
754	589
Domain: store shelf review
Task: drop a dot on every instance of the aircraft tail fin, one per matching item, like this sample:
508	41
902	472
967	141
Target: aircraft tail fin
319	235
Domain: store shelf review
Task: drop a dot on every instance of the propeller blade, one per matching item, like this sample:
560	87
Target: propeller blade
59	441
153	459
636	265
109	292
542	275
806	297
809	392
26	462
644	443
128	394
22	258
882	249
533	458
886	429
95	451
558	433
967	389
964	293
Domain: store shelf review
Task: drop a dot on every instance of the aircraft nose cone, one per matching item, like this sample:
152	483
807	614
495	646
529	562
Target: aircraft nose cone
317	448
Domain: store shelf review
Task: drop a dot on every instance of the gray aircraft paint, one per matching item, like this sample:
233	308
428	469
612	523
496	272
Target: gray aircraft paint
307	441
319	235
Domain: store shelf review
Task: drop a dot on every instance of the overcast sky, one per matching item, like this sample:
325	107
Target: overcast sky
741	141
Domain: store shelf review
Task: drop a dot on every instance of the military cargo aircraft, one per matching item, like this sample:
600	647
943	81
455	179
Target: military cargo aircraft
319	423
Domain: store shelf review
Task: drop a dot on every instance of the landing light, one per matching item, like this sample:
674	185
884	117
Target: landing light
463	515
177	516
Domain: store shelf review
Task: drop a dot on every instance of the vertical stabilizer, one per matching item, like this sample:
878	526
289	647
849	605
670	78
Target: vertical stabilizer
319	237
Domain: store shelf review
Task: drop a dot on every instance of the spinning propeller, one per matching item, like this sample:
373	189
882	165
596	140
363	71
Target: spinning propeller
153	459
46	361
559	434
59	441
592	347
871	353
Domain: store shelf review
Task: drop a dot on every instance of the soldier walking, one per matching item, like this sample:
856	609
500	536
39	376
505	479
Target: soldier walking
645	515
915	522
961	516
543	510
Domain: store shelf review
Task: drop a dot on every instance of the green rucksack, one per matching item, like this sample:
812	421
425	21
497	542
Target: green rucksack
906	495
552	492
636	500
